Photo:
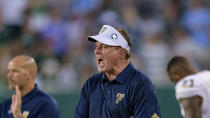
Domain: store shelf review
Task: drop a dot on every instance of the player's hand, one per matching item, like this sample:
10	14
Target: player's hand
16	103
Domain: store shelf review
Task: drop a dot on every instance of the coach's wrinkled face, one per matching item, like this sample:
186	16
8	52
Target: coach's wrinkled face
16	75
106	56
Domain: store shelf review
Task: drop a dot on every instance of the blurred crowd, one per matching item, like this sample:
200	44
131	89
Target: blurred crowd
55	33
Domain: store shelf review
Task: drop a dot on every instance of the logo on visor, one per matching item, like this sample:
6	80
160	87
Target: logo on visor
114	36
103	29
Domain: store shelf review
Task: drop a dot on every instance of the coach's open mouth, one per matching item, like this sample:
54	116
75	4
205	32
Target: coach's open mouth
99	61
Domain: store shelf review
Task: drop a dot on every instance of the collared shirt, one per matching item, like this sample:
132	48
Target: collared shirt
35	104
130	94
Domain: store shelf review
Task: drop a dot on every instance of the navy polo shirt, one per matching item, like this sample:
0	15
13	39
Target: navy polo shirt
35	104
131	93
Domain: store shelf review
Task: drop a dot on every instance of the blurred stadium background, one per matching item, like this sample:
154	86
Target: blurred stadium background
54	32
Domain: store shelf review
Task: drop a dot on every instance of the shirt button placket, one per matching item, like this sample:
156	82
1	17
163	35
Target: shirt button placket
108	90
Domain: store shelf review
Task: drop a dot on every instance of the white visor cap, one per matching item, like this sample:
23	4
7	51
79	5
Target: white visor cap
110	36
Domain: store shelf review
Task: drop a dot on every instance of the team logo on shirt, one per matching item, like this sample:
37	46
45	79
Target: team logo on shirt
119	96
25	114
155	116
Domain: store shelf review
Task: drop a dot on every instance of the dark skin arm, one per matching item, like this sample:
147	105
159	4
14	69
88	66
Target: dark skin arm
192	107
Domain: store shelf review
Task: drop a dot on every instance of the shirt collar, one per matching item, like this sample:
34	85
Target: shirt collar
29	96
122	77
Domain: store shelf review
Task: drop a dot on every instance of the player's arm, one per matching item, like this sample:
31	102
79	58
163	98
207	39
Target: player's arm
192	107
